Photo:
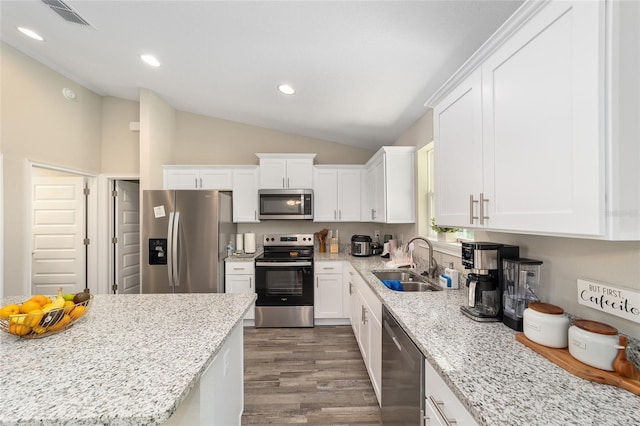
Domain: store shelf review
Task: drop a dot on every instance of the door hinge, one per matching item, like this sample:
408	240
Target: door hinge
114	193
114	287
86	241
86	191
114	240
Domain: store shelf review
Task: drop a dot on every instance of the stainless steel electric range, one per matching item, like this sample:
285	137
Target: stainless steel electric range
284	281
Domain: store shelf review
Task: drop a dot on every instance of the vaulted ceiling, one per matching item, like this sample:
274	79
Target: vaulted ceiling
362	70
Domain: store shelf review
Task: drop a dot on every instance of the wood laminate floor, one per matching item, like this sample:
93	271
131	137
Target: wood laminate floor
306	375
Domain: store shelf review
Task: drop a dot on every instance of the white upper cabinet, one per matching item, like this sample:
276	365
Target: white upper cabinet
292	171
336	192
534	134
245	194
197	177
543	123
391	182
458	152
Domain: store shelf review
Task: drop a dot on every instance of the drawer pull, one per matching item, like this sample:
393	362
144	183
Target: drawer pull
438	406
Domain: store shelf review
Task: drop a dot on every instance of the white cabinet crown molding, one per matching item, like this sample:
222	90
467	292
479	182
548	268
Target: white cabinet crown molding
521	16
285	155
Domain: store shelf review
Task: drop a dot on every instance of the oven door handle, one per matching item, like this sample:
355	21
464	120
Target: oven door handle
280	264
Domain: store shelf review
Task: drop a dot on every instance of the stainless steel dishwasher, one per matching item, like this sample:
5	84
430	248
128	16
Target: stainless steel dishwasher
402	376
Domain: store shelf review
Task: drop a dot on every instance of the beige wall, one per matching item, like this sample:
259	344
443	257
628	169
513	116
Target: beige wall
39	124
565	259
120	146
420	133
157	133
207	140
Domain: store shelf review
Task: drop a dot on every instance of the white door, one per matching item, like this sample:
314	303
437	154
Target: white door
58	231
127	232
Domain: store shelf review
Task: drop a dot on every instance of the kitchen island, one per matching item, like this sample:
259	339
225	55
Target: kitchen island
499	380
132	360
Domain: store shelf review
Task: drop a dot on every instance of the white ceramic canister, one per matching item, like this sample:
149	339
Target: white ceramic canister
594	343
545	324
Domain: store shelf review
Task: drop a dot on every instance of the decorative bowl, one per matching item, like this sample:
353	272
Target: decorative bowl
42	324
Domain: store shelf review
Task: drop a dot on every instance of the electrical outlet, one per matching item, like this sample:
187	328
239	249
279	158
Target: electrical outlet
376	234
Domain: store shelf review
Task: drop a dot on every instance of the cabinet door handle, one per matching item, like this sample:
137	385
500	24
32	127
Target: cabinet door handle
339	214
373	214
195	182
255	215
250	279
317	285
364	314
335	214
200	182
471	203
438	406
283	183
288	185
481	203
350	288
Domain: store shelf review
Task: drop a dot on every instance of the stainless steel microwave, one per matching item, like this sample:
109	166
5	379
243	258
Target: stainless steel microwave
286	203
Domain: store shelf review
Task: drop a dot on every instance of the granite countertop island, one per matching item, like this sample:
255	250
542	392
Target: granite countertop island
499	380
131	360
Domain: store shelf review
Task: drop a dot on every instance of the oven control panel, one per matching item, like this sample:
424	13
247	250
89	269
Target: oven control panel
293	240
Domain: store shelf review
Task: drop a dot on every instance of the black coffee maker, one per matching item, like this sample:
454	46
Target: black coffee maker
484	282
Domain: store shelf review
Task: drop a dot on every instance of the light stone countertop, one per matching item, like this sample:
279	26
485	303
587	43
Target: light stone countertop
499	380
130	360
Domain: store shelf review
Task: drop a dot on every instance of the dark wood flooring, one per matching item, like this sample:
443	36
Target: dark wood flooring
306	375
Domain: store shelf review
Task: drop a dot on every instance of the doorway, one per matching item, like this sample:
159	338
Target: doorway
125	236
60	230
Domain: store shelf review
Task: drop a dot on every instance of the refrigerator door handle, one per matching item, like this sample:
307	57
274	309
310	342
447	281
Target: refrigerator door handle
170	250
174	249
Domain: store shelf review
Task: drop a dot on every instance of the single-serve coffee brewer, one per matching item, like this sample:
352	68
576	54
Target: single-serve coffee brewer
521	279
484	282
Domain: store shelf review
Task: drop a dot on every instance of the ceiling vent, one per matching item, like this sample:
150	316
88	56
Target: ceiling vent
67	13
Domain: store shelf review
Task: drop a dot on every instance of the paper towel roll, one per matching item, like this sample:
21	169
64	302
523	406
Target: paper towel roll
239	242
249	242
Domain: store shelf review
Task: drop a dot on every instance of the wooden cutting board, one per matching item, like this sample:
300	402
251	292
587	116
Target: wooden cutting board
563	358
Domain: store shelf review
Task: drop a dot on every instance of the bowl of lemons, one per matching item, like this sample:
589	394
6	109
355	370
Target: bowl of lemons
42	316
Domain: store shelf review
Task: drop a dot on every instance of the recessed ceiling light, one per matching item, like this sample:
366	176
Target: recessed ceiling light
151	60
286	89
30	33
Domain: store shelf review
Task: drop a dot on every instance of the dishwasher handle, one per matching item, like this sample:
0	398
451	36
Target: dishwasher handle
387	327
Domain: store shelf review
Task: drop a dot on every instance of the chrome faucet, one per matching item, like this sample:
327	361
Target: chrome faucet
433	265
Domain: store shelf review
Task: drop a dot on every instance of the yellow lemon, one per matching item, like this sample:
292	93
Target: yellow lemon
78	311
8	310
28	306
19	329
68	306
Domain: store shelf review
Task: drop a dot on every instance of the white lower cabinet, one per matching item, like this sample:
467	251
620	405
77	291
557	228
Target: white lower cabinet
328	291
218	398
442	407
366	320
239	277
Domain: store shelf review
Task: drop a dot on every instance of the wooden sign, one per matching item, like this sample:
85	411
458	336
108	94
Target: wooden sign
616	301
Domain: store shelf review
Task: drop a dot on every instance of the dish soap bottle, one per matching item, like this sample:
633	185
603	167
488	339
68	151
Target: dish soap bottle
230	248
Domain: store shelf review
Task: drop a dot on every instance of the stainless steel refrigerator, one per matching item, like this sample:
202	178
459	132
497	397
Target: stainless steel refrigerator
184	237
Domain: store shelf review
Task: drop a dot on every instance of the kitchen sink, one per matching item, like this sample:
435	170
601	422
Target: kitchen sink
410	280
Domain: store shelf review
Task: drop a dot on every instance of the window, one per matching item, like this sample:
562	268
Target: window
426	190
